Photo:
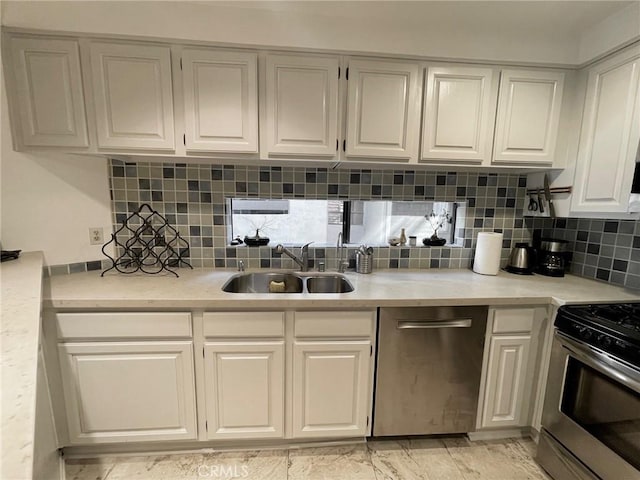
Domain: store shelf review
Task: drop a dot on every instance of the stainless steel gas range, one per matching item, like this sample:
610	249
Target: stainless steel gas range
591	417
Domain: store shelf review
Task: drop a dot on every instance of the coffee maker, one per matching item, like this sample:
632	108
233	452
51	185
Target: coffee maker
553	257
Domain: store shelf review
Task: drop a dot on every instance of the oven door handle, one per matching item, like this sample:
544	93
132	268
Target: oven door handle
600	362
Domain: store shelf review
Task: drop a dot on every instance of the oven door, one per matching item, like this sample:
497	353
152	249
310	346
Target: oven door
592	408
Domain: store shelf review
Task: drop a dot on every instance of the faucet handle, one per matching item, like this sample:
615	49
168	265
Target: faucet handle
306	246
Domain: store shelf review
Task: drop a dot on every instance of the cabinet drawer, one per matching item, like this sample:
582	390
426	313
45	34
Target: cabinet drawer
334	324
123	325
244	324
513	320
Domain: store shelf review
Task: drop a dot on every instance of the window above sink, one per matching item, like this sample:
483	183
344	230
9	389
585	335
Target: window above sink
370	222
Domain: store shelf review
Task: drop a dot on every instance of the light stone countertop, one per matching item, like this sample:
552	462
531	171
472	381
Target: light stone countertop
23	294
21	290
201	289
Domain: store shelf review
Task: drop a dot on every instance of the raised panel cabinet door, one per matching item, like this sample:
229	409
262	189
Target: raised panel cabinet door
528	117
301	105
609	137
331	388
128	391
459	114
220	101
383	110
50	101
133	96
244	385
504	398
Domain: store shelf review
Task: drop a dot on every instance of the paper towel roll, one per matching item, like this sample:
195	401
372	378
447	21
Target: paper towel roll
488	248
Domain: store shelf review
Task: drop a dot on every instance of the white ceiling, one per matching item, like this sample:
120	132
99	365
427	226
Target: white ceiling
537	16
517	31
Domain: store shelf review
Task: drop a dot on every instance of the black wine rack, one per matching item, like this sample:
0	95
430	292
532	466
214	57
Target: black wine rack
147	243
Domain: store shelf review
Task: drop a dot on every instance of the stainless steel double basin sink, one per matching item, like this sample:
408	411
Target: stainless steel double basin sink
285	282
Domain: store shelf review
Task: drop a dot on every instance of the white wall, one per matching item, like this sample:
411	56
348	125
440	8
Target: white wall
49	201
607	35
537	32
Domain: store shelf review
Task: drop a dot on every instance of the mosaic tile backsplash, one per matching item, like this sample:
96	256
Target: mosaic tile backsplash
192	198
607	250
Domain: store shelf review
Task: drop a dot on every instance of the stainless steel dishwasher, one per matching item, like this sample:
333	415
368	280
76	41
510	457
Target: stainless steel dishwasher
428	370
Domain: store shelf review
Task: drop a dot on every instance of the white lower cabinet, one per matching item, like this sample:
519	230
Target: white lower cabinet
126	376
135	376
331	383
310	370
332	373
128	391
244	374
507	371
244	389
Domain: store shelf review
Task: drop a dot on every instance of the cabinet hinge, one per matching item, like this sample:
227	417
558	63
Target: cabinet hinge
338	72
346	74
344	145
184	138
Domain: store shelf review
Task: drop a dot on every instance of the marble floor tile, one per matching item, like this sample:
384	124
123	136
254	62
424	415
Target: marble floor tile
88	469
249	465
484	460
446	458
351	462
174	467
433	458
525	451
253	465
392	460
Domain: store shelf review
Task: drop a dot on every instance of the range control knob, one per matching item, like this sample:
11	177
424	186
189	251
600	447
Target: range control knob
621	345
586	333
604	341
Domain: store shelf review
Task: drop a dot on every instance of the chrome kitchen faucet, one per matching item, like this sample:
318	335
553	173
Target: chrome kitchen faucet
303	262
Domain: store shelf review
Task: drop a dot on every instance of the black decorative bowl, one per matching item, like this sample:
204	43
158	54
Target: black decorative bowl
434	242
256	242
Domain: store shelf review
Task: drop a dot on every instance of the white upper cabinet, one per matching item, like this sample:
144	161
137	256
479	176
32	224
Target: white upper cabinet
609	136
301	105
528	116
383	110
49	100
220	101
459	114
133	96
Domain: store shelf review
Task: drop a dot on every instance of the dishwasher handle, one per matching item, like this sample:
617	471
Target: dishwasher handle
455	323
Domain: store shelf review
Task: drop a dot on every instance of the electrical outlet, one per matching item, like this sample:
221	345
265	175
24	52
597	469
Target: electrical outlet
96	236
